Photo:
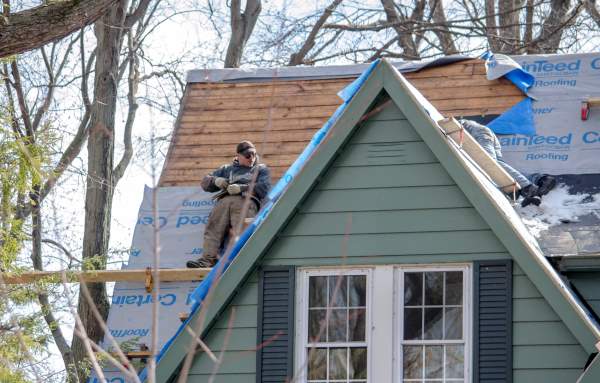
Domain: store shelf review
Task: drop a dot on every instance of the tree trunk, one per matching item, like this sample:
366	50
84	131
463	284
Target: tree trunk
402	28
491	30
242	25
32	28
443	33
552	29
508	25
99	193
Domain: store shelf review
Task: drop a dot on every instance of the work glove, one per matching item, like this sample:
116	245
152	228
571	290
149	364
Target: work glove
221	183
235	189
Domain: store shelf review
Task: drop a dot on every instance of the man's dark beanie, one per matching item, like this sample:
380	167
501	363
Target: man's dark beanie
244	145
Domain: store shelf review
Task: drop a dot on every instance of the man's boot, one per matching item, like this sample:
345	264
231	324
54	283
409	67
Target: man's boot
206	261
545	184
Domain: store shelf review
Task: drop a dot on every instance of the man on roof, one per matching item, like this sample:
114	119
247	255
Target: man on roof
532	188
240	189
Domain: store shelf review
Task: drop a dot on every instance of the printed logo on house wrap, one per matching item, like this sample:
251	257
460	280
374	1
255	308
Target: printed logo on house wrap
143	299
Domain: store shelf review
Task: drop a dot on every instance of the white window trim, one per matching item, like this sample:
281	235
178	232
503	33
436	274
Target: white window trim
467	315
301	325
383	321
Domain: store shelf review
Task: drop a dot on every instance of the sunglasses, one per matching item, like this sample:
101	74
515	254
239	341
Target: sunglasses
248	153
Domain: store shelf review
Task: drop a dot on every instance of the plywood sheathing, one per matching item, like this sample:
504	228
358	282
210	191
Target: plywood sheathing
280	117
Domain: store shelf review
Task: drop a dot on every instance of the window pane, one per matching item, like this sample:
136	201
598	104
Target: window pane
358	363
338	363
455	362
412	362
433	323
433	362
338	319
454	287
317	363
454	323
317	292
356	326
316	325
413	289
434	288
412	323
358	290
338	290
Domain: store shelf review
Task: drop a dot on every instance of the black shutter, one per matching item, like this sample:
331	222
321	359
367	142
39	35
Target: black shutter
492	335
275	355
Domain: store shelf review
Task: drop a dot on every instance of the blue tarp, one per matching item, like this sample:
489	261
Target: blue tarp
518	119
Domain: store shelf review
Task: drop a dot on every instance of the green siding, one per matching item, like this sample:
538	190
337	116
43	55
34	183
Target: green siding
387	200
237	341
544	350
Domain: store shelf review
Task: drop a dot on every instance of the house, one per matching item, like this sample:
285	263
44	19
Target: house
390	258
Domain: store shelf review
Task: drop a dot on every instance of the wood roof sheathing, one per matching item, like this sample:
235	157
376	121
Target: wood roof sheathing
280	117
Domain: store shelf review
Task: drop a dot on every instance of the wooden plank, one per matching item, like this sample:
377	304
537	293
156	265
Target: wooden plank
199	115
457	82
460	136
477	103
262	102
234	138
165	275
251	126
443	92
197	174
275	160
218	150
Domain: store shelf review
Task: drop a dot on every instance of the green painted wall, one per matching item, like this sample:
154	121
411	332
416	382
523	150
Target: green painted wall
238	343
543	348
387	200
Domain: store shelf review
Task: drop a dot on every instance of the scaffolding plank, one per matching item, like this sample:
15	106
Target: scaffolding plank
165	275
462	138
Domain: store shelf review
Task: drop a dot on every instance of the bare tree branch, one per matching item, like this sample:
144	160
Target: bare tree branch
298	57
34	27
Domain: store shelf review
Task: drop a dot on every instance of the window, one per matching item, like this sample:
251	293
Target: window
433	345
384	323
335	340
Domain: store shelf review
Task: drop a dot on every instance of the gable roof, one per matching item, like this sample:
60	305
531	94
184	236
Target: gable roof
488	201
280	109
